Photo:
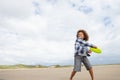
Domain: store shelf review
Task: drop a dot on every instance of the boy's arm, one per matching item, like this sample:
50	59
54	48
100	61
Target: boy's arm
88	52
77	46
85	43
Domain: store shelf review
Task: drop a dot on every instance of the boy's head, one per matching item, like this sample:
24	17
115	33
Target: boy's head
82	34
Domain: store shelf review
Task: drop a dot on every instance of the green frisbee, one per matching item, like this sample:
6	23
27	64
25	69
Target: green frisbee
96	50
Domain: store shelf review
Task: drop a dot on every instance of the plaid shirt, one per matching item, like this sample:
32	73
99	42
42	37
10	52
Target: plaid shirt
81	47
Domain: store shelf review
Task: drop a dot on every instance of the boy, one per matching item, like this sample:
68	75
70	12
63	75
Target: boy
81	50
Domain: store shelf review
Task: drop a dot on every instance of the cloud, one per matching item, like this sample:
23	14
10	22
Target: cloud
44	31
15	8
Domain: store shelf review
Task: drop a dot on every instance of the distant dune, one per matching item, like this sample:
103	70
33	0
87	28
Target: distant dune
104	72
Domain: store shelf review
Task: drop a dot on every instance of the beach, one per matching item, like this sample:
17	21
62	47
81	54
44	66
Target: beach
103	72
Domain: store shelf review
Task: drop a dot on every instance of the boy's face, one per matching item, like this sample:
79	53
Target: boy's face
81	35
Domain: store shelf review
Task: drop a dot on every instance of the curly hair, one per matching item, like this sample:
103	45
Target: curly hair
85	34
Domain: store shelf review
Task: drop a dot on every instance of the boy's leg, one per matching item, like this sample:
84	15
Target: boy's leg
72	74
88	67
77	66
91	73
77	63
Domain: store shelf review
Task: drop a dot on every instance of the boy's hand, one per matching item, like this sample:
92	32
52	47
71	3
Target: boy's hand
89	51
95	47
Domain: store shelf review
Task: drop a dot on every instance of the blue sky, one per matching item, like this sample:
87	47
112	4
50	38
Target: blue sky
44	31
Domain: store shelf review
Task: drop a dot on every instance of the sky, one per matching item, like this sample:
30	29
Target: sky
43	32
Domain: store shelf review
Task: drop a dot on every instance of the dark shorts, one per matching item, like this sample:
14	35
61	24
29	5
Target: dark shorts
81	59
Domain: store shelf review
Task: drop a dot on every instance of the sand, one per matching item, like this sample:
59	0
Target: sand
104	72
